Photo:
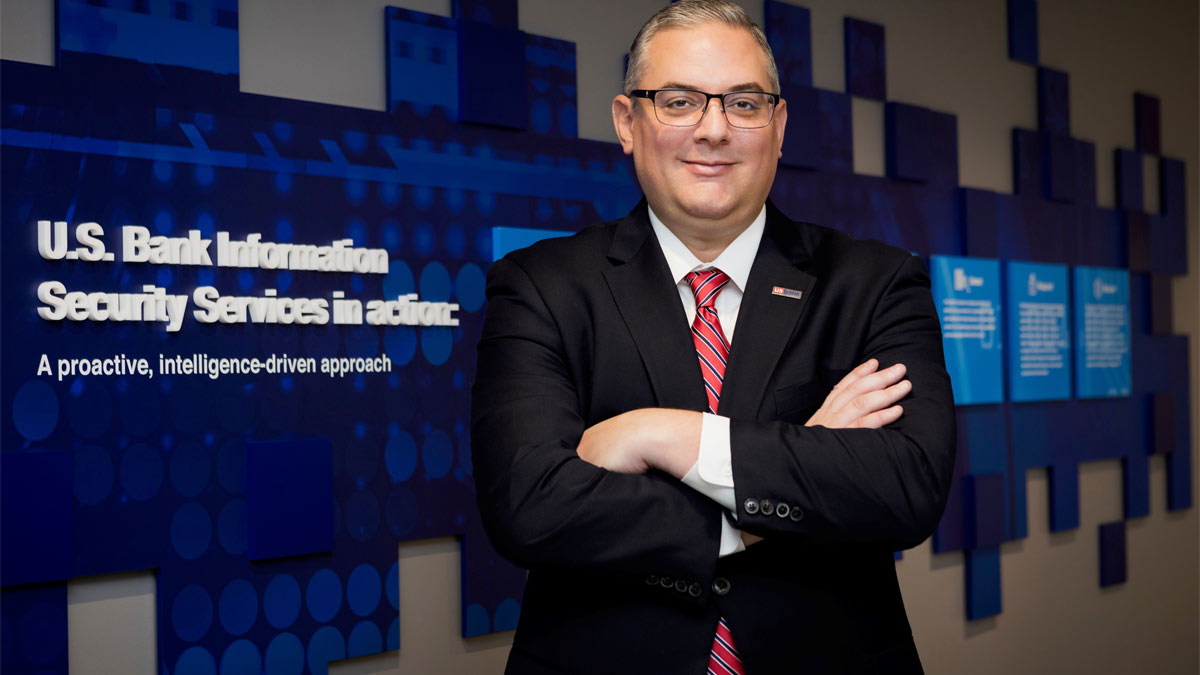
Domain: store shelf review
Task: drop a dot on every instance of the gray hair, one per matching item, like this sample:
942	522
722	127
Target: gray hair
689	13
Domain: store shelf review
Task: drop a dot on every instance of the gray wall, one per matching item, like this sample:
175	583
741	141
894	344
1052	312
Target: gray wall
945	54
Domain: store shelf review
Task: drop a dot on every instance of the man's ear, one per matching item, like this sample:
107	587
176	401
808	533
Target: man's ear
780	123
622	111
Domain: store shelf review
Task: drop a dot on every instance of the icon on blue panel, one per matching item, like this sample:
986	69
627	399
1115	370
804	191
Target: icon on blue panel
1038	329
1102	337
967	294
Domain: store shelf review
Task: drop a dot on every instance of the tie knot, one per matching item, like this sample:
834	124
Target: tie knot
706	285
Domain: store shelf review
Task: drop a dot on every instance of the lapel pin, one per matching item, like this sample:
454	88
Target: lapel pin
786	292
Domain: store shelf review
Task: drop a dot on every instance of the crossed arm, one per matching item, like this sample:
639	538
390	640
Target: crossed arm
668	440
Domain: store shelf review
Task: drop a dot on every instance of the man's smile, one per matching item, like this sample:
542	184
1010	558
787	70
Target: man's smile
706	167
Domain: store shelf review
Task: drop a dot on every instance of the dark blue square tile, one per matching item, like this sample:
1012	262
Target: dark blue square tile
1146	119
1023	31
907	142
1059	178
977	215
36	525
492	76
802	150
497	12
982	571
789	33
289	498
866	72
1112	553
1172	184
1135	485
1064	497
985	503
1027	162
1129	179
1054	104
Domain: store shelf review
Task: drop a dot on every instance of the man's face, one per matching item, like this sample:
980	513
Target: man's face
712	173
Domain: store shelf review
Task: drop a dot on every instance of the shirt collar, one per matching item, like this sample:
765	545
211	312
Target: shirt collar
735	260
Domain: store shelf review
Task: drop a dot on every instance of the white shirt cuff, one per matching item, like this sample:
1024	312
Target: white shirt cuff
712	476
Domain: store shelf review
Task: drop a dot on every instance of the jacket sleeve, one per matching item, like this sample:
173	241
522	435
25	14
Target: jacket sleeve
543	506
861	486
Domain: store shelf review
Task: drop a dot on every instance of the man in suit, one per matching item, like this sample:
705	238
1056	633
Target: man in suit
726	497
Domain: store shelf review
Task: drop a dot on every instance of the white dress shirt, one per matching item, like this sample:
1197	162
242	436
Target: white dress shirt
712	474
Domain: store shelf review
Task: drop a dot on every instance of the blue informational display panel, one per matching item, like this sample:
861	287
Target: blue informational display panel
1039	335
1102	339
967	294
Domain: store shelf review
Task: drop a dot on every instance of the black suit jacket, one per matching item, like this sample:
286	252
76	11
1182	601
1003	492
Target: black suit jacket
624	574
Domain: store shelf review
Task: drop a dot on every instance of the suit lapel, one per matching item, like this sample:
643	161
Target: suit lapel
766	320
640	282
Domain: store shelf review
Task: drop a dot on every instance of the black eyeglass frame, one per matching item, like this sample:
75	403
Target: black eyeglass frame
650	94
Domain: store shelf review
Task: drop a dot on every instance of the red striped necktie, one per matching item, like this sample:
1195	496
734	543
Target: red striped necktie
713	351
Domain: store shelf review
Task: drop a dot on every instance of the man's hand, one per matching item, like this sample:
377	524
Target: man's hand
864	398
640	440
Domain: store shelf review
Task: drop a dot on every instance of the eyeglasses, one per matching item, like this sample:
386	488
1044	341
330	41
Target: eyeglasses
686	107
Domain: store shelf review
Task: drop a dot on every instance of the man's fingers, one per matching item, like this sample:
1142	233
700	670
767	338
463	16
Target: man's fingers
866	384
862	370
879	419
871	402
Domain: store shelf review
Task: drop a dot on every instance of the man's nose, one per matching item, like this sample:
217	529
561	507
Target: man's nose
713	126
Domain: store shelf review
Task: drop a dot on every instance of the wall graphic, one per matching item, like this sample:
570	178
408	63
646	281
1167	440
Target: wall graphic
243	358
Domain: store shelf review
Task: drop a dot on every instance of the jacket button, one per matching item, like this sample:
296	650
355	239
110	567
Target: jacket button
681	585
720	585
666	582
751	506
695	590
797	514
652	579
782	509
767	507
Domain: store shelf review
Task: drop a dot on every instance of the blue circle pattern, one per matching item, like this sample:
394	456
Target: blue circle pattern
285	655
93	474
324	595
400	343
507	614
469	287
477	620
393	634
191	531
241	657
400	456
435	283
364	639
196	661
437	454
281	601
35	410
192	613
398	281
141	471
326	645
393	585
363	590
238	607
436	344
